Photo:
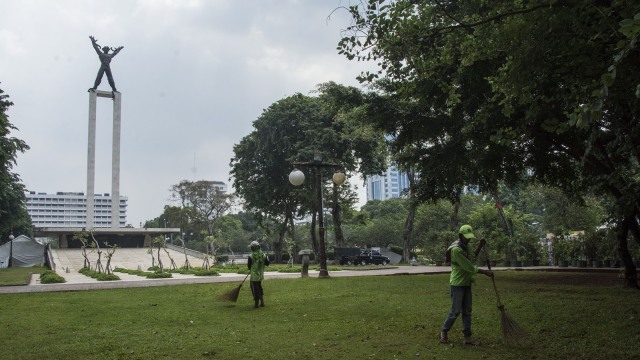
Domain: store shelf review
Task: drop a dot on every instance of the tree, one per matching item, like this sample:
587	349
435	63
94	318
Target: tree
555	211
414	202
433	232
354	144
156	242
262	161
295	129
499	89
13	212
385	223
230	234
395	208
205	198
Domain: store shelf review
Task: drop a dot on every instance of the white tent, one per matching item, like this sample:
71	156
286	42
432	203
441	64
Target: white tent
26	252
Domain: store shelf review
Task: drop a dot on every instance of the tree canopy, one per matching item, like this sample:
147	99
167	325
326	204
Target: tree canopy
294	129
205	201
13	212
479	92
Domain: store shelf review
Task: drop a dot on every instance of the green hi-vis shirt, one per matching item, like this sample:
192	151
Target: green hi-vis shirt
256	263
462	269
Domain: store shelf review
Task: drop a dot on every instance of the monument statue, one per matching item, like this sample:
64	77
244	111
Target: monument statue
105	60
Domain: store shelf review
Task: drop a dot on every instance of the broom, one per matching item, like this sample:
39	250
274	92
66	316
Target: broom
512	333
232	295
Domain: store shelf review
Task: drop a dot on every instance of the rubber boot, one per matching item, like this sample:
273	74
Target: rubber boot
261	301
444	337
470	341
256	304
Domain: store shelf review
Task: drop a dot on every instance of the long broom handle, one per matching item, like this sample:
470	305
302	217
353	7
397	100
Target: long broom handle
245	278
492	278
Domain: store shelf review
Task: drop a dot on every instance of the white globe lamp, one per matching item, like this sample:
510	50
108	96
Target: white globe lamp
296	177
339	178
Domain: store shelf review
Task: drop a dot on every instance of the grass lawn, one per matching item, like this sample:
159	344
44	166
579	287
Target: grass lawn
568	316
18	275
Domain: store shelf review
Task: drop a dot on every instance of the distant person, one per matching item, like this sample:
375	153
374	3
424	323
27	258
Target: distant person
462	276
256	263
105	61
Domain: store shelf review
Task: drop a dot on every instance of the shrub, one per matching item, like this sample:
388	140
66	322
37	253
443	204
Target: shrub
98	276
529	247
88	272
107	277
198	271
396	249
329	268
152	275
183	271
131	272
159	275
50	277
204	272
228	266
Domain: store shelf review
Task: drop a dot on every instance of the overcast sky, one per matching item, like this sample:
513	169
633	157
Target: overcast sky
194	75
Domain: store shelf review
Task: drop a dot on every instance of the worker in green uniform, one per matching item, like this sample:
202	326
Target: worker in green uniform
256	263
462	276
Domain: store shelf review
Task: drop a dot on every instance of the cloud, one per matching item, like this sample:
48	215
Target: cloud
194	75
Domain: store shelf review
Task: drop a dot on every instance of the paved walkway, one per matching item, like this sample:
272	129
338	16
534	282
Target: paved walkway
69	261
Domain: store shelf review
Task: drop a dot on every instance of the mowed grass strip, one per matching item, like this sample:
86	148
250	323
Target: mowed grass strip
18	275
364	317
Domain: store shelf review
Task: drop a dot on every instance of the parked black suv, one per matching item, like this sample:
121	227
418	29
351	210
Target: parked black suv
366	257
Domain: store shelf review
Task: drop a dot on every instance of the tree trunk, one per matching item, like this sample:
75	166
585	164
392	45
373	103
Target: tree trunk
277	246
408	231
453	217
507	225
630	272
335	214
407	236
292	232
159	261
173	263
314	239
108	266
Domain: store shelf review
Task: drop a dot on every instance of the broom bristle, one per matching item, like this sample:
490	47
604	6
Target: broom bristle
512	333
231	295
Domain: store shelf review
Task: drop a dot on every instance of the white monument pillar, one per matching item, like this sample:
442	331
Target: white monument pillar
91	159
115	163
115	157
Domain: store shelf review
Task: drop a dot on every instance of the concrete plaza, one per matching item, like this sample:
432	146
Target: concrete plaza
69	261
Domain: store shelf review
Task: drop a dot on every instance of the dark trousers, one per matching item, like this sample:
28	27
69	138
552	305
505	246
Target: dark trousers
256	290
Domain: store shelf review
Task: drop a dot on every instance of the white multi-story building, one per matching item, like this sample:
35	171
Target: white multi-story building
69	210
387	186
219	185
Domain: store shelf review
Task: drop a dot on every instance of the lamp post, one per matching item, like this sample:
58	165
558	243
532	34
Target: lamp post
10	250
296	178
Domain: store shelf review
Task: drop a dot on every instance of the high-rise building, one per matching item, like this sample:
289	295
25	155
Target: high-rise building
218	185
69	210
389	185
